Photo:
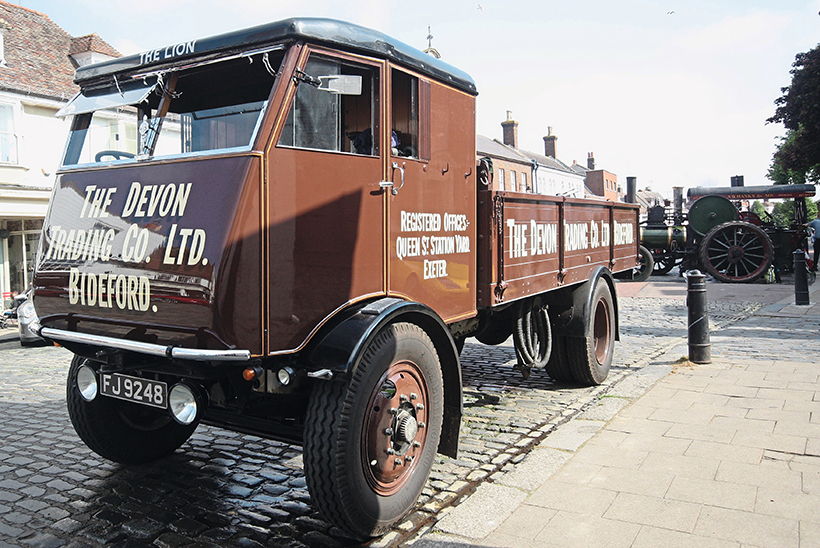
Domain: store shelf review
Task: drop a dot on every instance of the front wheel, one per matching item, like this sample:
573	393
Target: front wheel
370	443
590	357
121	431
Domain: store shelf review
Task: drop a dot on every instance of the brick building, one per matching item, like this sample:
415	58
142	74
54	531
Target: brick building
601	182
37	62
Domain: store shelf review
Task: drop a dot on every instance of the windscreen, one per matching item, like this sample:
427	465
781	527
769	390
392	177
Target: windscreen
207	107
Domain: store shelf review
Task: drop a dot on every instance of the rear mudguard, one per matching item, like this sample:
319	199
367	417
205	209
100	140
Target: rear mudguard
575	319
341	346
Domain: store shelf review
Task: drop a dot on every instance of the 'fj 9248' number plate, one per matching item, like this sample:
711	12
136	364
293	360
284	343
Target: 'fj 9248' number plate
134	389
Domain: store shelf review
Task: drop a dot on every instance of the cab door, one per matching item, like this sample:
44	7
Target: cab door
431	200
325	203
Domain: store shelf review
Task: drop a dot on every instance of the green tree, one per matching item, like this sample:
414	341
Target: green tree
758	209
784	211
798	155
781	175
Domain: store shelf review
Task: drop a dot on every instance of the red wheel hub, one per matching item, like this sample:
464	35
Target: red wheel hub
395	427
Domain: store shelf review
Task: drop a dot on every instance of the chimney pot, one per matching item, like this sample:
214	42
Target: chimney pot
550	144
510	128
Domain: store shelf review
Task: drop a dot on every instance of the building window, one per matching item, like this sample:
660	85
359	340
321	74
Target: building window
501	179
512	181
8	139
524	182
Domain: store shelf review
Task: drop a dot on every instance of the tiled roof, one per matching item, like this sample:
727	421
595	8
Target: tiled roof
549	161
491	147
92	42
36	54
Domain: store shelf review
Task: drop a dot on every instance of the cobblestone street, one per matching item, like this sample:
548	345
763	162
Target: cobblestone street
229	489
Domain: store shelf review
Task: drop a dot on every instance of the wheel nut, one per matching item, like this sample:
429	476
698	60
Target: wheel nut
413	396
422	424
416	444
420	406
393	410
408	458
398	462
403	398
390	451
388	431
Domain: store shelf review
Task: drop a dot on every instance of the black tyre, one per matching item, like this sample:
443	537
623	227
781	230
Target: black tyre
121	431
370	443
558	365
736	252
590	357
642	273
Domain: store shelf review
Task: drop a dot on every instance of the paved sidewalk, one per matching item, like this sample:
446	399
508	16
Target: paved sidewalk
719	455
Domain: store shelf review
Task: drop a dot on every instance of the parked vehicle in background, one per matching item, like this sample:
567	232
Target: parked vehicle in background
27	323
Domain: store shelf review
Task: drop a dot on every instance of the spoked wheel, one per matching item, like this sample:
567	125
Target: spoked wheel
736	252
118	430
532	336
370	443
590	357
663	265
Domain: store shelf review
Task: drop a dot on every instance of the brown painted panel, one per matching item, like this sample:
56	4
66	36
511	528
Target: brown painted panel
325	235
432	219
625	237
587	238
168	252
532	243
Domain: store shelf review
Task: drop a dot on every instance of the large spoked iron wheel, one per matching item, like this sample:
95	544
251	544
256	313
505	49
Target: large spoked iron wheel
370	443
663	265
736	252
590	357
122	431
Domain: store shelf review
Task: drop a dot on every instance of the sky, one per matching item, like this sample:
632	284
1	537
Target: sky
673	92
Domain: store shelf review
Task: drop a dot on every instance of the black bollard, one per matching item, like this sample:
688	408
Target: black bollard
700	349
801	278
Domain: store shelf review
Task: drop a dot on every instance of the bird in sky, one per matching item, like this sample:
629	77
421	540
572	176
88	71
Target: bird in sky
669	12
478	6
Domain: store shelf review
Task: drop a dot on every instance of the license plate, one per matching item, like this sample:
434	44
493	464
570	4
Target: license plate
134	389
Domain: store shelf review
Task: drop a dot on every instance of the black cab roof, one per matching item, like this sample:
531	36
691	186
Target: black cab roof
338	34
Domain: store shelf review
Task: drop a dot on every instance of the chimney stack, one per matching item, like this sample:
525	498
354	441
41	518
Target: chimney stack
550	144
591	162
737	180
631	190
510	128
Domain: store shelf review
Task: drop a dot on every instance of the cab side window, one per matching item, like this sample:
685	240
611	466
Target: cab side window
320	119
410	107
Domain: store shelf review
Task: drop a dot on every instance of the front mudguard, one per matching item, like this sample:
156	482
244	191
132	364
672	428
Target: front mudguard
340	346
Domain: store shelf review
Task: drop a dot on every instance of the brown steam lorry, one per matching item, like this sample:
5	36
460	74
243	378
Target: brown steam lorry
284	231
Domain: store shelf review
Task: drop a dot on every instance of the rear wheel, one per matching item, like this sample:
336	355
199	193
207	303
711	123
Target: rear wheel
122	431
370	443
590	357
736	252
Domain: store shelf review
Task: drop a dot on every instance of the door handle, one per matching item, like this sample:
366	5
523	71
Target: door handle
390	184
401	169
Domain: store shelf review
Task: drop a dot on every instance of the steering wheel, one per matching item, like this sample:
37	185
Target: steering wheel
117	154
